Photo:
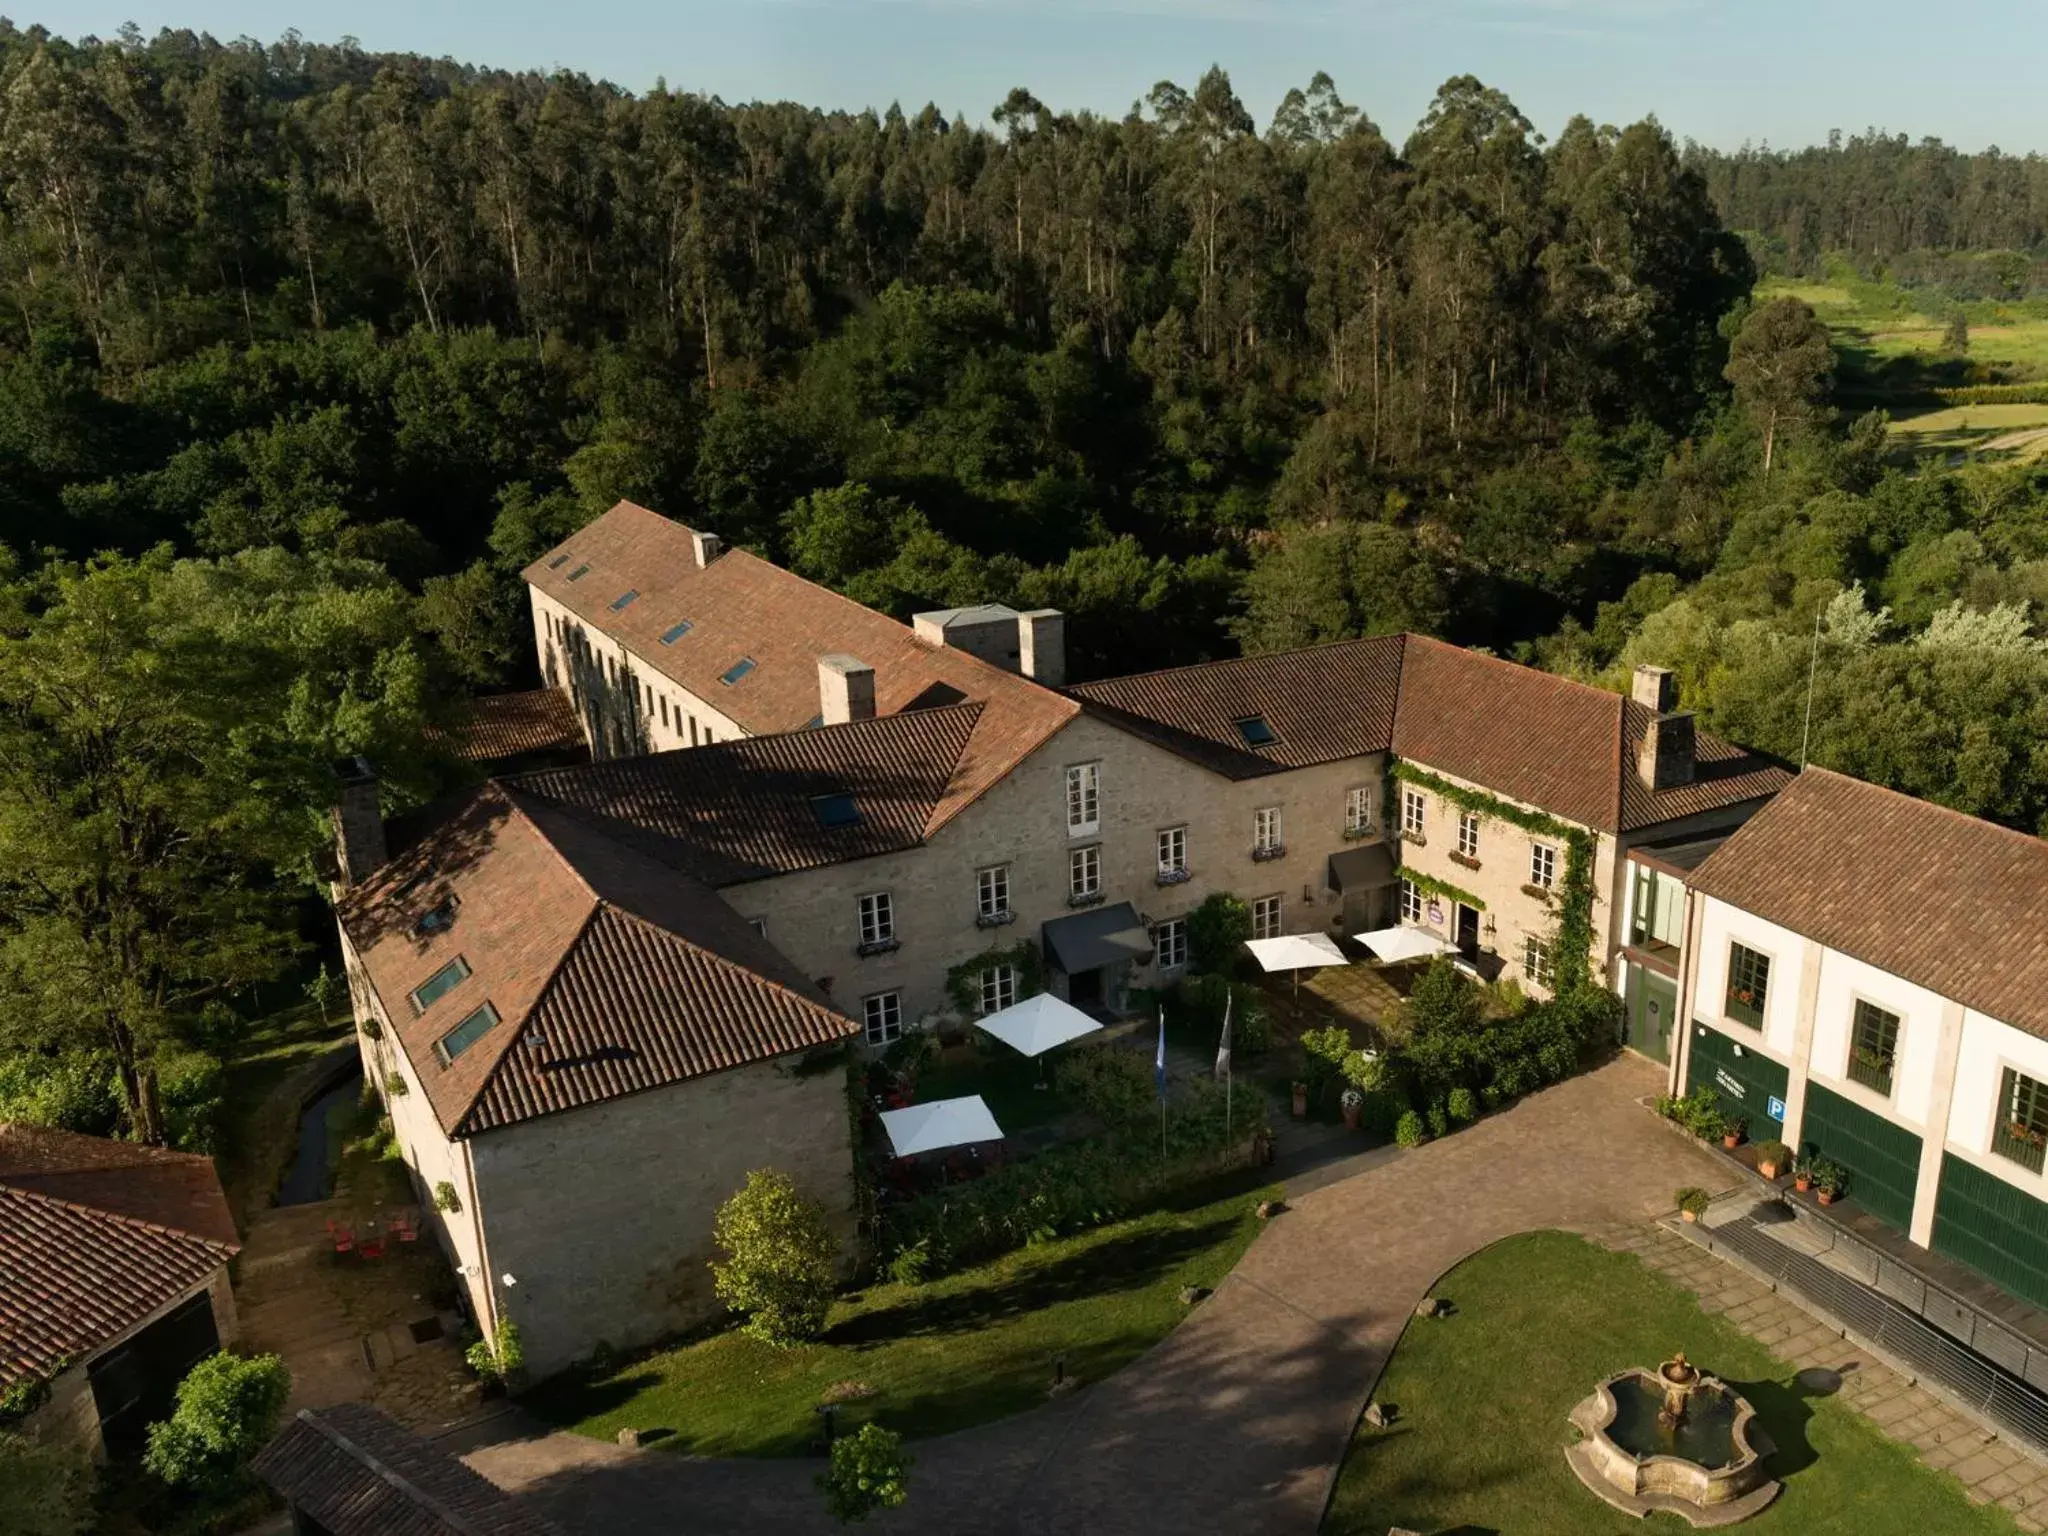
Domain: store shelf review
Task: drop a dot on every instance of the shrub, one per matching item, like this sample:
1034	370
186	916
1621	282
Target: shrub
501	1356
227	1407
912	1265
1409	1130
22	1397
1694	1200
395	1086
48	1489
781	1259
1217	930
1326	1053
1439	1119
193	1086
1463	1107
1698	1111
445	1198
71	1092
1114	1085
870	1471
1776	1153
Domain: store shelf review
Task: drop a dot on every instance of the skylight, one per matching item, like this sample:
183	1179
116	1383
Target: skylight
440	984
675	632
624	600
466	1034
737	670
558	562
437	919
1256	732
579	573
835	810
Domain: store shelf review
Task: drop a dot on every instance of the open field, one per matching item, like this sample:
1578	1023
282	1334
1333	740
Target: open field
2017	432
1482	1397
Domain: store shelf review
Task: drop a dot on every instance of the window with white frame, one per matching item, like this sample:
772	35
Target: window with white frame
1266	917
1411	902
998	988
877	919
1537	962
1411	812
1170	944
1358	812
992	892
1542	865
1468	834
1173	852
1266	829
1084	873
1084	799
882	1017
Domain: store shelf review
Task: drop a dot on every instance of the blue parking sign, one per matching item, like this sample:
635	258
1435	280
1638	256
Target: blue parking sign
1776	1110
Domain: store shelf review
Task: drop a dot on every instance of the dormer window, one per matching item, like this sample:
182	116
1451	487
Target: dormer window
624	600
675	632
1255	732
835	811
737	670
579	573
466	1034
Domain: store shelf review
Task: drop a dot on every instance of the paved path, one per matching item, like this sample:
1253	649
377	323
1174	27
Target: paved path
1237	1421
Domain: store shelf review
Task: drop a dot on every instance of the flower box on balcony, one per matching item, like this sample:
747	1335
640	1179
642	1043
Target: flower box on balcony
1171	877
994	919
877	946
1464	860
1273	851
1093	899
1358	834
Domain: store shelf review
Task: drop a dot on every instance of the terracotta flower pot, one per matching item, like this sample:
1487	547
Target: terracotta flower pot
1688	1215
1352	1114
1301	1101
1802	1182
1768	1170
1732	1140
1827	1197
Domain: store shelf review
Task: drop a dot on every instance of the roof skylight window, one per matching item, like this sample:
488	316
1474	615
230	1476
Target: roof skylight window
737	670
437	919
440	984
1255	732
835	811
558	562
466	1034
675	632
624	600
579	573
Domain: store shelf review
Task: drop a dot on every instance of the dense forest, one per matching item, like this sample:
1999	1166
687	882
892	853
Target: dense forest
305	352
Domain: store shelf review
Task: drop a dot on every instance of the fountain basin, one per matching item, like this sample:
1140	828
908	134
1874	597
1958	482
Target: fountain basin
1706	1464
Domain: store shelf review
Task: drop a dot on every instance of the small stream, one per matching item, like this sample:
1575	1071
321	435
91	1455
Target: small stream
321	1124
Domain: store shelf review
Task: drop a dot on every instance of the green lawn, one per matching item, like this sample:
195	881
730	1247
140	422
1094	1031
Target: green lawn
957	1351
1482	1397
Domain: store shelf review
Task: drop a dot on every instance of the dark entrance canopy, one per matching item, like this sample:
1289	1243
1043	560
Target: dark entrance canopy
1365	868
1088	940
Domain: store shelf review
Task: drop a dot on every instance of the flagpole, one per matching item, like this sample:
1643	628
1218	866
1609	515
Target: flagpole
1159	1075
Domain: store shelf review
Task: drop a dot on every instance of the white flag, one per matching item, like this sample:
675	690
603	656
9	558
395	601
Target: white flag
1223	1045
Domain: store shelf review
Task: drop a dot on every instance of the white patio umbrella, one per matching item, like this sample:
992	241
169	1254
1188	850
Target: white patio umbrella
1036	1025
1296	952
942	1123
1394	945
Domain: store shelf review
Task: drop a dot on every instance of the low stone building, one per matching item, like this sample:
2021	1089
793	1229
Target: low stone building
113	1280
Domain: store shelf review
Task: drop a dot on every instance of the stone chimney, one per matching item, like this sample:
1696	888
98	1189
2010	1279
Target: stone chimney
709	547
846	690
1656	689
1666	758
359	845
1042	646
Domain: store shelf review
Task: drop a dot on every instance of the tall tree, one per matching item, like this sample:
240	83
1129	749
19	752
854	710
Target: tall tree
1780	364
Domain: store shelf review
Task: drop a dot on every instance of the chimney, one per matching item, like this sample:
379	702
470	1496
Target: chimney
1656	689
1042	646
1665	759
846	690
359	846
709	547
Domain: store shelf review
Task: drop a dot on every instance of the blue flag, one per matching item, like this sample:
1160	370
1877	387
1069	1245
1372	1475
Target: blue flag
1159	1060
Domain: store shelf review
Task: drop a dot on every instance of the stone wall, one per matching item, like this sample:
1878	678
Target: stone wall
626	706
602	1215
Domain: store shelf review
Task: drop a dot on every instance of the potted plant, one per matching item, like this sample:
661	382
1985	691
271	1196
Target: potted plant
1301	1101
1353	1103
1731	1132
1771	1157
1693	1202
1829	1179
1802	1173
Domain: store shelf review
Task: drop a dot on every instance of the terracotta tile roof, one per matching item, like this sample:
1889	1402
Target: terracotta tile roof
1323	703
501	726
549	916
743	606
74	1279
1528	735
742	810
356	1473
179	1190
1901	884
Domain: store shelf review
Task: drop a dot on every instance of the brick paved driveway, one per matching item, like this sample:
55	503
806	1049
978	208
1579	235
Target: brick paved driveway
1237	1421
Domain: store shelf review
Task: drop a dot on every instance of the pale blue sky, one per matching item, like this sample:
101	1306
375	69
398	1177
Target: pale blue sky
1721	71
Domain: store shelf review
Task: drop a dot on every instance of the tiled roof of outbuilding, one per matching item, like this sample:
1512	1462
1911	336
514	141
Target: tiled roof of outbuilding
1901	884
501	726
179	1190
609	972
74	1277
357	1473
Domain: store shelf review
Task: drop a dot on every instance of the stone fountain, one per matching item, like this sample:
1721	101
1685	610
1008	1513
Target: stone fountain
1676	1440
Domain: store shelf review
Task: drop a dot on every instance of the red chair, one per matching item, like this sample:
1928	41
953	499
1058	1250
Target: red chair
343	1238
405	1229
372	1244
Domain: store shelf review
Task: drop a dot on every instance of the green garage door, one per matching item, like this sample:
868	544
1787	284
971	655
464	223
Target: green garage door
1883	1159
1748	1082
1982	1221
